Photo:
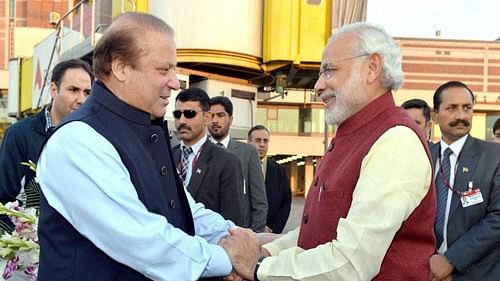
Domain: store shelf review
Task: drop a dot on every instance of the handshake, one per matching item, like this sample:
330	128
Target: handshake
244	249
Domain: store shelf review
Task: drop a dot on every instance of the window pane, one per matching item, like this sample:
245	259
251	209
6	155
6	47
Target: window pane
261	116
288	120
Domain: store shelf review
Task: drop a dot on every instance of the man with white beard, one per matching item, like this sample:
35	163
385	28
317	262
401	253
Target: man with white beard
369	213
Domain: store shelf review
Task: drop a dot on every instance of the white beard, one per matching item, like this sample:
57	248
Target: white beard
348	99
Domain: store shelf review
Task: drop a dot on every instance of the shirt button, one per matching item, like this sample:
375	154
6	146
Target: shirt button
154	138
330	147
305	218
164	170
171	204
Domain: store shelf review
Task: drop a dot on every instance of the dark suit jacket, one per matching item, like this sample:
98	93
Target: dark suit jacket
473	233
279	196
22	142
255	208
216	181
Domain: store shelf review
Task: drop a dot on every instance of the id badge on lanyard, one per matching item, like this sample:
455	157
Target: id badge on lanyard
471	197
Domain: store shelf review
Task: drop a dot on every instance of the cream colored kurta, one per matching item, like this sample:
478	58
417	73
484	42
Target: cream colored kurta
394	178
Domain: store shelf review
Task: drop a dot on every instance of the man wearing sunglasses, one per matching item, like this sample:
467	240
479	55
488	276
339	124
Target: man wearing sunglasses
210	173
369	213
254	189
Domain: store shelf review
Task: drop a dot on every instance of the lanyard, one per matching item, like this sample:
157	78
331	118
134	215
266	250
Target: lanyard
441	174
195	160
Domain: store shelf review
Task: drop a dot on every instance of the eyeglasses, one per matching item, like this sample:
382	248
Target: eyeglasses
327	69
189	113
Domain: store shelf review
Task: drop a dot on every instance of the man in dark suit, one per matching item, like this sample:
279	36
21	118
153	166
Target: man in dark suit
254	192
69	87
279	194
468	190
212	176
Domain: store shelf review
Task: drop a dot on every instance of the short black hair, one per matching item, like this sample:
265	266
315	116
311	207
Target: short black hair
224	101
194	94
60	69
257	128
419	104
436	99
496	126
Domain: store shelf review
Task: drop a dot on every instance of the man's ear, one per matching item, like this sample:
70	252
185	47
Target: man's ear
374	68
119	69
53	90
428	126
206	117
434	116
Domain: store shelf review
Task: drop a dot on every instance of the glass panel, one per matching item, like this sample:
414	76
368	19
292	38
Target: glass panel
272	113
288	120
272	126
261	116
305	120
318	120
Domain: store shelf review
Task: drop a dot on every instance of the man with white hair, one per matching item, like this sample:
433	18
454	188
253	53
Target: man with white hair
370	211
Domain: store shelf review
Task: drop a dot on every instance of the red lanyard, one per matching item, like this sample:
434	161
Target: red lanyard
195	160
440	174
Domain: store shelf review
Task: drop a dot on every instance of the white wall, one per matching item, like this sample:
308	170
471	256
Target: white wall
226	25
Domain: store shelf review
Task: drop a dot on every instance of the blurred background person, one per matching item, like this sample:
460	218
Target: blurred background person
496	131
69	87
278	192
421	113
255	205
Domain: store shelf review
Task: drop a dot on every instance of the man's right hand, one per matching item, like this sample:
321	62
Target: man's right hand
243	248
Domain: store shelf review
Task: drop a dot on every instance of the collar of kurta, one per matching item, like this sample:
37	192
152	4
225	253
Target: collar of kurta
366	114
104	96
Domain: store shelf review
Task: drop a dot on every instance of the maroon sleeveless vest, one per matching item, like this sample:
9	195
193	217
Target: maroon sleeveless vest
408	256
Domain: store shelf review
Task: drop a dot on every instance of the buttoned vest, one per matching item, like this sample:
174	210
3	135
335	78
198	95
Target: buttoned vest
144	149
330	194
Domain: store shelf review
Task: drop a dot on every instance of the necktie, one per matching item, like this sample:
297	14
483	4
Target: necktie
263	169
442	182
186	151
220	144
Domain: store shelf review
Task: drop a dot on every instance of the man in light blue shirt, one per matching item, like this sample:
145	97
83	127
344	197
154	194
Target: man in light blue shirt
113	206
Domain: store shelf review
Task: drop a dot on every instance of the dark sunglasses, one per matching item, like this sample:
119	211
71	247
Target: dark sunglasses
187	113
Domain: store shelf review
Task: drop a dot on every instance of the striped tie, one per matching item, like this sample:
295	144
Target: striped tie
186	151
442	182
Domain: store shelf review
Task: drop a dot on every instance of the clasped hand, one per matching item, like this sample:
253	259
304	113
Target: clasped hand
244	249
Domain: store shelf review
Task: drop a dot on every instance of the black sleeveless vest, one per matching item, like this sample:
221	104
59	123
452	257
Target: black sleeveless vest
144	149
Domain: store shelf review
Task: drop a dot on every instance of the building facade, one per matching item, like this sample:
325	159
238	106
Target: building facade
265	56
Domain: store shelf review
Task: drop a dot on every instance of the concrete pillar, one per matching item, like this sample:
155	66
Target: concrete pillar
294	173
308	174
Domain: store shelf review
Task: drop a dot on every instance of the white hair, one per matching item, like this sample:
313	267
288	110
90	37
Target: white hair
374	39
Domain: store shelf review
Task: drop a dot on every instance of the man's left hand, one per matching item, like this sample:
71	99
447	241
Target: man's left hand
441	268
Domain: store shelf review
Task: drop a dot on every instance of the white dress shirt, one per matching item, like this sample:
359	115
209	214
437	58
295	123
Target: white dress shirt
196	153
224	141
456	148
